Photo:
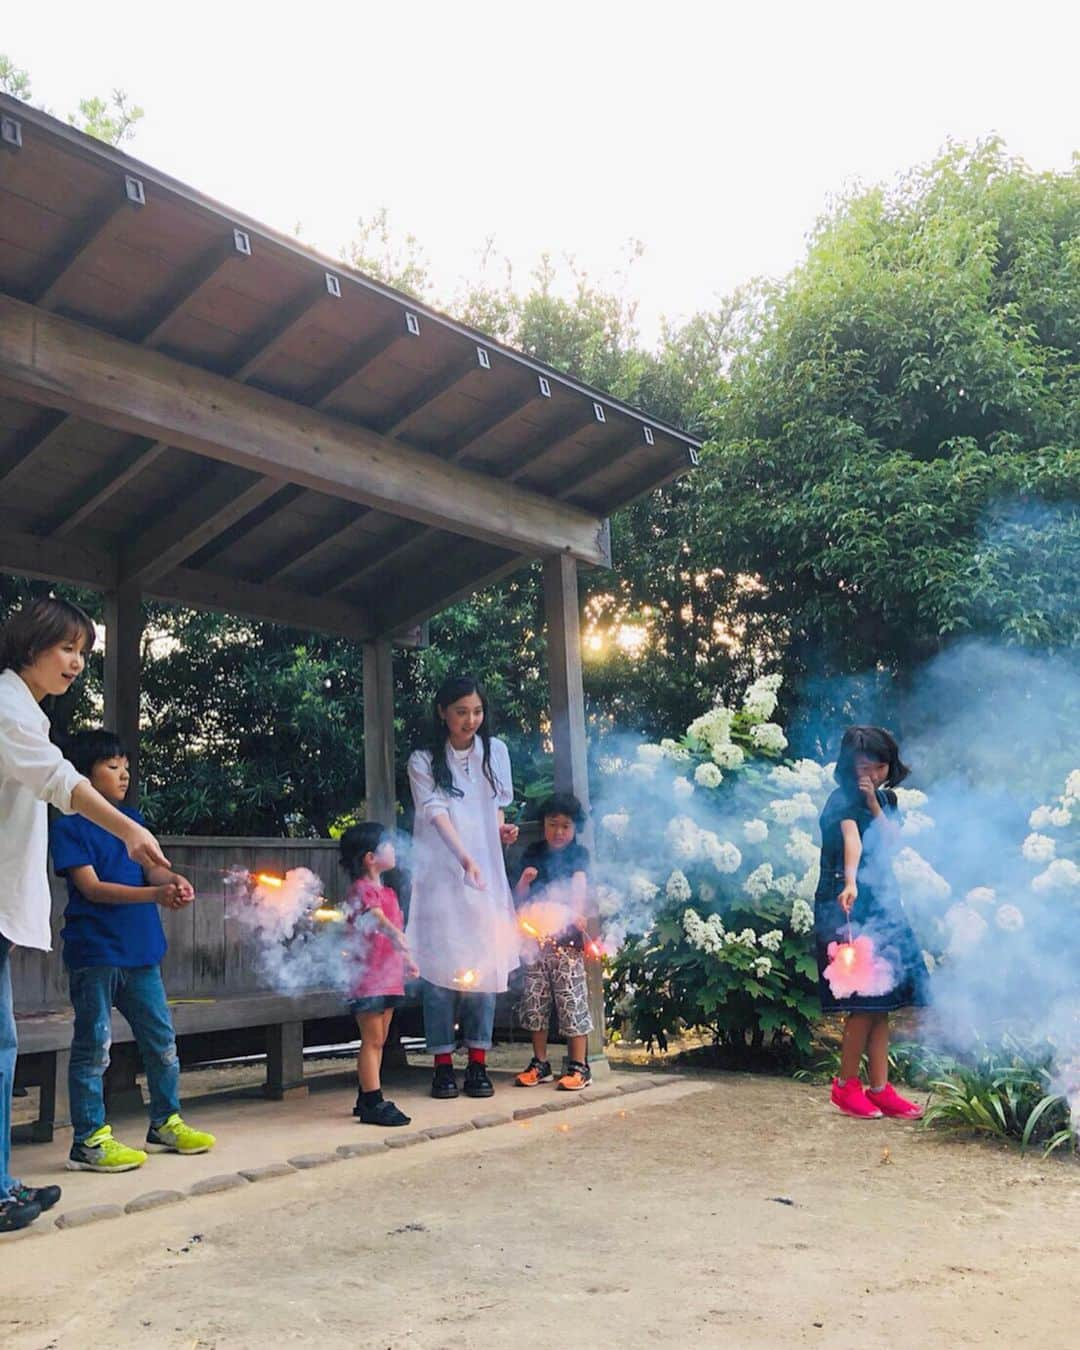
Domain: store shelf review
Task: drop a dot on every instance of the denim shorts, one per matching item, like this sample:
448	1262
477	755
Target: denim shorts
376	1003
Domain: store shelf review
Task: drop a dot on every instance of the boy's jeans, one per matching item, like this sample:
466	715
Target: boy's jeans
9	1050
140	995
440	1012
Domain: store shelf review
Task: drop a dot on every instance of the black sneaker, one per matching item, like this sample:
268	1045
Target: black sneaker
16	1214
477	1082
443	1083
539	1071
42	1196
382	1113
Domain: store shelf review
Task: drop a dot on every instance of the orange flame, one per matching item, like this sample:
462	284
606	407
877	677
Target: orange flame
327	914
531	929
268	879
846	953
595	949
467	978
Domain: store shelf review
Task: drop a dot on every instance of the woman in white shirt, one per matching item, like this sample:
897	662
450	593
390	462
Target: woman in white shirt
462	931
43	650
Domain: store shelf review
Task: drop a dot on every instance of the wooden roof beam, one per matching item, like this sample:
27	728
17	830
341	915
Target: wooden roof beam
418	600
541	449
150	329
188	527
353	364
87	235
486	424
310	549
352	574
269	340
32	446
429	392
139	453
59	363
312	613
29	555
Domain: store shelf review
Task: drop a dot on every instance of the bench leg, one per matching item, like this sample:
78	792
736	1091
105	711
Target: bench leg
53	1107
394	1056
122	1093
285	1061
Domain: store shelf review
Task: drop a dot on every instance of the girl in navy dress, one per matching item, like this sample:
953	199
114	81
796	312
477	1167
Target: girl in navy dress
858	902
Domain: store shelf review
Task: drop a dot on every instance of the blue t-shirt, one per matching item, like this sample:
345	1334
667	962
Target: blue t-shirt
103	935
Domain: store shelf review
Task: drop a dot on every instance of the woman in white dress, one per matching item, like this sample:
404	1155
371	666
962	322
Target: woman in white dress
462	930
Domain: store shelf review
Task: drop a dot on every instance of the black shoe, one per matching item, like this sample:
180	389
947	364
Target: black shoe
16	1214
382	1113
42	1196
443	1083
477	1082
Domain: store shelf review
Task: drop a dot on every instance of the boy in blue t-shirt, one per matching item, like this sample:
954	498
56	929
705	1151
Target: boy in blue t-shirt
113	945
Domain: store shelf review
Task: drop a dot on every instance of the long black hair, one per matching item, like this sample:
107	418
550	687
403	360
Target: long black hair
357	842
873	743
457	687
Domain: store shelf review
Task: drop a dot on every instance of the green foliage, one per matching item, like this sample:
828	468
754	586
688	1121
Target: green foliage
113	119
14	81
895	454
1008	1092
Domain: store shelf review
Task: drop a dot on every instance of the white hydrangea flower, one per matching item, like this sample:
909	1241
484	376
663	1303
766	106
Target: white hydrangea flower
1038	848
615	823
1062	875
1072	784
787	885
762	967
641	890
724	856
966	928
728	756
608	900
1009	918
760	700
684	838
755	831
748	938
786	811
707	775
801	848
713	727
808	882
773	940
650	754
804	775
981	895
673	750
929	962
915	822
682	787
769	737
802	917
643	769
760	881
910	799
706	934
916	875
677	887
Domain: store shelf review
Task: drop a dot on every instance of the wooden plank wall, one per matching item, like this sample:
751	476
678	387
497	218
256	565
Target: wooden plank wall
209	954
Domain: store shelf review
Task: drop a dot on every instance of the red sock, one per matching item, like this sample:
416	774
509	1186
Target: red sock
444	1059
477	1056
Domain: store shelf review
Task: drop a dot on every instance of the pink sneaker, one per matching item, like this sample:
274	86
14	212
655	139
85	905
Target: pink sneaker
890	1103
850	1098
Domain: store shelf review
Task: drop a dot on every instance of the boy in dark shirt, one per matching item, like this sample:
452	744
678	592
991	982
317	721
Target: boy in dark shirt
555	874
113	945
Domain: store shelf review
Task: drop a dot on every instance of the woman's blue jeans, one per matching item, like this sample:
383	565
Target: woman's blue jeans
139	994
442	1009
9	1052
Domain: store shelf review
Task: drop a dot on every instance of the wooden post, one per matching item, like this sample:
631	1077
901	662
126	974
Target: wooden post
285	1061
568	735
123	657
379	785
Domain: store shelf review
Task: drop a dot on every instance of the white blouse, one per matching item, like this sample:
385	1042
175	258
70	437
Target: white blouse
32	772
461	937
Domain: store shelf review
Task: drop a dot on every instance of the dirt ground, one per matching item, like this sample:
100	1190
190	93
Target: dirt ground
734	1211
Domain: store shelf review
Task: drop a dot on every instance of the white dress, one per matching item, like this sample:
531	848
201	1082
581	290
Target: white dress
460	937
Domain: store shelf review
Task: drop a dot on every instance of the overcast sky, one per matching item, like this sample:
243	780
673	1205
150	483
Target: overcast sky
714	133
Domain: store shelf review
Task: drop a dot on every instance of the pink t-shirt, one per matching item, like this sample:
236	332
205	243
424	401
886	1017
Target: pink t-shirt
378	966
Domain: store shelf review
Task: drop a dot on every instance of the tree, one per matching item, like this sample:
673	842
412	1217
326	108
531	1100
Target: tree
895	453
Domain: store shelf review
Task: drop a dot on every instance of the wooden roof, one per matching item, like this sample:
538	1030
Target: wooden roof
197	406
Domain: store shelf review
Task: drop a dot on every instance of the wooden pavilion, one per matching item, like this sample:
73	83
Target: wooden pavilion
197	409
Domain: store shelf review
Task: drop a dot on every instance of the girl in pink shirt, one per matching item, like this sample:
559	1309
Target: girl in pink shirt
380	960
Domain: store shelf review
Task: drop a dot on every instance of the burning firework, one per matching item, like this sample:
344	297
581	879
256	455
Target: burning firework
855	968
467	978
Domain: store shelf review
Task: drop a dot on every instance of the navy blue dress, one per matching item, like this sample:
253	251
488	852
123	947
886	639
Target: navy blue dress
878	912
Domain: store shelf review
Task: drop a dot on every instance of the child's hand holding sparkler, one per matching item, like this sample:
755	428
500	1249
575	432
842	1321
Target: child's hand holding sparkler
508	834
848	896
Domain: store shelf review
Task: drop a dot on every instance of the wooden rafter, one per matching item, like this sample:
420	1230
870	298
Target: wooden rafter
88	234
353	573
429	392
269	340
259	515
353	364
310	549
32	446
526	460
138	454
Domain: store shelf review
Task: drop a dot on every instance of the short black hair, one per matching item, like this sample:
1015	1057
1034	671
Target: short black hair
87	748
562	804
357	842
39	625
874	743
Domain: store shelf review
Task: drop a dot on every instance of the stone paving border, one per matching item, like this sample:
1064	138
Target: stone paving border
365	1148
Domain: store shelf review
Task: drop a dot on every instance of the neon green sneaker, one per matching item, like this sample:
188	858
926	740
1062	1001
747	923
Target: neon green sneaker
176	1137
100	1152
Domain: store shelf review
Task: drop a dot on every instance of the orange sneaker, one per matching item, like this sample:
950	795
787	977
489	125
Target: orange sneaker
539	1071
577	1076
